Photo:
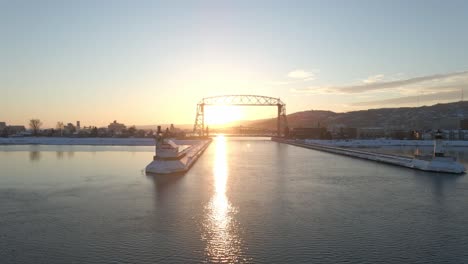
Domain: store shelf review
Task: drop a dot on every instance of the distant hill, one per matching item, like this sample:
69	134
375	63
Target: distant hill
445	116
310	118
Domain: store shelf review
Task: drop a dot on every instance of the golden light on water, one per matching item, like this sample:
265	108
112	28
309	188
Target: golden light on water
221	231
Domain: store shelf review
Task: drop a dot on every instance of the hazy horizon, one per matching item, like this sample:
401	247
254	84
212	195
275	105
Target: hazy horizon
150	62
233	123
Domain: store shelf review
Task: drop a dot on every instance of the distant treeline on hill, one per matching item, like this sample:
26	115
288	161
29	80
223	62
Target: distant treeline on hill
439	116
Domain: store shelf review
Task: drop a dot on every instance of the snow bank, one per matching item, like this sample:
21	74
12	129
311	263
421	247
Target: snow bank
77	141
371	143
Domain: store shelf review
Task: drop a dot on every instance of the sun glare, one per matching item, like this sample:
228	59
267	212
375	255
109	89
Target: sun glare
221	230
223	114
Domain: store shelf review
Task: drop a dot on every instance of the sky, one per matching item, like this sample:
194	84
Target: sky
150	62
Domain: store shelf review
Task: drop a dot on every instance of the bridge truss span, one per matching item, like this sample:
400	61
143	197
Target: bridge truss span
246	100
240	100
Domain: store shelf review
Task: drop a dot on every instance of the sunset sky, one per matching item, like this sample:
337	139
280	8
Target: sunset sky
149	62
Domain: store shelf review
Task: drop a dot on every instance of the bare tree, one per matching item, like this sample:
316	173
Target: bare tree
60	127
35	125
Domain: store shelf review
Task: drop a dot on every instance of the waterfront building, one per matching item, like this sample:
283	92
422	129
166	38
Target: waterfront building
116	128
102	132
400	134
69	129
455	134
309	133
464	124
371	132
347	133
446	123
12	130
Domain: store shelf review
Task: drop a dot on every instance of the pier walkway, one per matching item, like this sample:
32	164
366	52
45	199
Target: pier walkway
448	165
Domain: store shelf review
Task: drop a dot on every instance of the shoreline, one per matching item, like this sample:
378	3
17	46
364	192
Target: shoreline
12	141
373	143
433	165
351	143
77	141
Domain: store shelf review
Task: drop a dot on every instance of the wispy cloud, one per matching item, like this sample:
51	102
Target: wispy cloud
374	79
437	96
375	83
301	74
297	76
398	83
314	90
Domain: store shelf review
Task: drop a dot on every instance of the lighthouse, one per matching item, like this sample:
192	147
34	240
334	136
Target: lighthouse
438	147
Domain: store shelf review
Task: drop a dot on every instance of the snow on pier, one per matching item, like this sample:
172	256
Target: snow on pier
375	143
447	164
188	157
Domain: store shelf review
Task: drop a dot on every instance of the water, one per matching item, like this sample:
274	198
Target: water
245	200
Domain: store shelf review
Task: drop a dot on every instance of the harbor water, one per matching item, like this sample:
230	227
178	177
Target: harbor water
246	200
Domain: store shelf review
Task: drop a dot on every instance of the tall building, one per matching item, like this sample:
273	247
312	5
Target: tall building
2	126
78	127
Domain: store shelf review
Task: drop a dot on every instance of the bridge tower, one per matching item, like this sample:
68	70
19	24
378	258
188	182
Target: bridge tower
199	126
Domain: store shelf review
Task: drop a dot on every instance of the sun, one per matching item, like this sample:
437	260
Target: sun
222	114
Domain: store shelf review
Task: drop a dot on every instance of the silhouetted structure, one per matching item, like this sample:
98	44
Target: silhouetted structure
240	100
116	128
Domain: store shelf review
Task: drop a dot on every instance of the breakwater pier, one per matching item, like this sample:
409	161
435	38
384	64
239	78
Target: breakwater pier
436	164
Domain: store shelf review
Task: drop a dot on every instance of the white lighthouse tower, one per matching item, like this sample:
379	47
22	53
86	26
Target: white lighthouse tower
438	144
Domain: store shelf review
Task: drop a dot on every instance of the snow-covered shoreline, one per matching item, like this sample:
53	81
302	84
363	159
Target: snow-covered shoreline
372	143
77	141
353	143
433	164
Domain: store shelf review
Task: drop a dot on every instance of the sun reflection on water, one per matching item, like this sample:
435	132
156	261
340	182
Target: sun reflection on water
221	231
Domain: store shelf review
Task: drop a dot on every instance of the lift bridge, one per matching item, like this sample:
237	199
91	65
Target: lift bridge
240	100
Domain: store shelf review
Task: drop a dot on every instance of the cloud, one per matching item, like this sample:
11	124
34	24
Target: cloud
374	79
301	74
289	82
411	86
314	90
398	83
296	76
437	96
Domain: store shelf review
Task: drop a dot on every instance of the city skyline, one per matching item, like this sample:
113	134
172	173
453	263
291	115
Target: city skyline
152	62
